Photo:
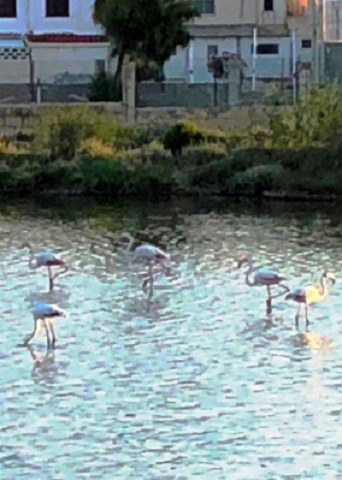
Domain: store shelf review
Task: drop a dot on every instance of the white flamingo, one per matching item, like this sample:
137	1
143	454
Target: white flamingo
263	277
43	315
150	254
46	259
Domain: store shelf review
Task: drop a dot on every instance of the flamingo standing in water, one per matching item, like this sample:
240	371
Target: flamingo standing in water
46	259
150	254
43	314
263	277
311	294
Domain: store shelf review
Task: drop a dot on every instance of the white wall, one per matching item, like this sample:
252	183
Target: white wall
270	66
31	15
14	71
77	62
177	66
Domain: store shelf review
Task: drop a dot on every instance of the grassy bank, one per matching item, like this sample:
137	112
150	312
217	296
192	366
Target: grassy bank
298	154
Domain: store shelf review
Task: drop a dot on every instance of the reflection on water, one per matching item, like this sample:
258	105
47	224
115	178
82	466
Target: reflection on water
198	382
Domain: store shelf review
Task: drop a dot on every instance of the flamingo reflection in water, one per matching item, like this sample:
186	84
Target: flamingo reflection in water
43	315
264	277
311	294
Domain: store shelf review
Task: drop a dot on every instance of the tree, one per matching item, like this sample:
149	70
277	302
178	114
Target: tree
148	30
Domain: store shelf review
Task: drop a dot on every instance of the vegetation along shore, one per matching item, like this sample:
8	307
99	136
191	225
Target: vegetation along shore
298	155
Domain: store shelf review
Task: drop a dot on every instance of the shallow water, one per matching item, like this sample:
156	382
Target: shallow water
199	383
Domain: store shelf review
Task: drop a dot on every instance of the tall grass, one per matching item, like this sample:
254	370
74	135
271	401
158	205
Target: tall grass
77	149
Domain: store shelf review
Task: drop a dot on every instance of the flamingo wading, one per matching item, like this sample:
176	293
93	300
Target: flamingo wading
46	259
150	254
311	294
264	277
43	315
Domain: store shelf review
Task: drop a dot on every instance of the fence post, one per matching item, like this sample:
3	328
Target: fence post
129	90
234	82
39	91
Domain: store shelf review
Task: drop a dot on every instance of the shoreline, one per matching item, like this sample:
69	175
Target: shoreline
268	196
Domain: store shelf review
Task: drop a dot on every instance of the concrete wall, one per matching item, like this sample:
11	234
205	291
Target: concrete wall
52	62
26	118
31	15
243	12
190	95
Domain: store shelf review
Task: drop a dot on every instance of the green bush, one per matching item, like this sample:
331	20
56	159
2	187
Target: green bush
182	135
103	88
255	180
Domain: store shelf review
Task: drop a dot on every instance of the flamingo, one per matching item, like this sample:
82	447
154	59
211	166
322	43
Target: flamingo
150	254
46	259
311	294
43	315
263	277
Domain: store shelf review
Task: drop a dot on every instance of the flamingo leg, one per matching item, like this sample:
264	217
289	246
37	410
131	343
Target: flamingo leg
52	330
50	278
37	329
285	289
297	315
46	323
60	272
269	299
150	271
306	315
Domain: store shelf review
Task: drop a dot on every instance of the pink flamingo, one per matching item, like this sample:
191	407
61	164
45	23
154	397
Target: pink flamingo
46	259
43	314
263	277
311	294
151	255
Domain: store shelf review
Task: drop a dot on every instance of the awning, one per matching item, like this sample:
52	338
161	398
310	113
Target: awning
11	40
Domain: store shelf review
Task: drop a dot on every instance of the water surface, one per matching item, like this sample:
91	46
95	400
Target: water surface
200	383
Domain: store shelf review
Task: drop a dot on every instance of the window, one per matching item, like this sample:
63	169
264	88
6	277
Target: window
205	6
212	50
306	43
8	8
100	66
267	49
268	6
57	8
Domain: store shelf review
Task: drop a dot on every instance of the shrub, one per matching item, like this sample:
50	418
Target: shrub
103	88
255	180
180	136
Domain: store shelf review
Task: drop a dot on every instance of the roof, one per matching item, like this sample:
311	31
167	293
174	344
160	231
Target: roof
66	38
223	31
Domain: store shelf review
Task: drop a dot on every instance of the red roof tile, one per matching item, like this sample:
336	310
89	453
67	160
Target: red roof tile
66	38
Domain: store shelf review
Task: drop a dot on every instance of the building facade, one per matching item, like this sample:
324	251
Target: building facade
50	40
229	25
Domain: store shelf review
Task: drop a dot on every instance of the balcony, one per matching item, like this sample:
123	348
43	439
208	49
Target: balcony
271	18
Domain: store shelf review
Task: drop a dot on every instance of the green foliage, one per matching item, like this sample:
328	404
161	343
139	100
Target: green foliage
316	120
183	134
103	88
145	29
64	139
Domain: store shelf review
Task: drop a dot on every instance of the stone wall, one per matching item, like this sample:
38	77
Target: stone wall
25	118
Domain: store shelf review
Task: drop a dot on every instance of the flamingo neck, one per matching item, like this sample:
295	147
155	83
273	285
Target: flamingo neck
130	244
249	282
324	283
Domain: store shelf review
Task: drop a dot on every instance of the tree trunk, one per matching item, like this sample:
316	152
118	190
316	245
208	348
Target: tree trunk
117	76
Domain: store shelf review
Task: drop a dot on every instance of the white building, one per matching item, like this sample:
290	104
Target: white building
50	40
228	25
